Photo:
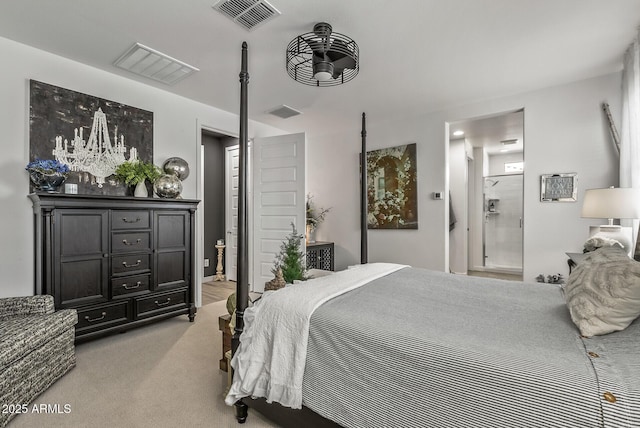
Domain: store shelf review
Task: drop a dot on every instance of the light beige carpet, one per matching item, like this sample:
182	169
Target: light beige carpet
162	375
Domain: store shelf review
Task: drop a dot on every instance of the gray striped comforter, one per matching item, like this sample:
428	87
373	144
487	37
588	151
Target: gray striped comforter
427	349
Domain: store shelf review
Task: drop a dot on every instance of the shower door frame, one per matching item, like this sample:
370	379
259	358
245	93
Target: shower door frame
484	229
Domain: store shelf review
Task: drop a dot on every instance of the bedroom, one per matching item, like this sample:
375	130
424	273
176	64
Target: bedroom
563	118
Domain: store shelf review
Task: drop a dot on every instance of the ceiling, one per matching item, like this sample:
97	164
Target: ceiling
490	132
416	56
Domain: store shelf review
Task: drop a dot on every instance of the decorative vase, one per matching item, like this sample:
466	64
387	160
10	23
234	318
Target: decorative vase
309	235
168	186
141	190
47	182
176	166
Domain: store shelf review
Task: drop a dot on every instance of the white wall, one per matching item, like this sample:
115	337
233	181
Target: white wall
497	162
177	123
565	131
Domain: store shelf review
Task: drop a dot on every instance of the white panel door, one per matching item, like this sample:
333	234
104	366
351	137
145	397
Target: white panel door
278	199
232	154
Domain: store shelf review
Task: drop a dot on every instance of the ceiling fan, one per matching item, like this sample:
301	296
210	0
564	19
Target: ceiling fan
322	57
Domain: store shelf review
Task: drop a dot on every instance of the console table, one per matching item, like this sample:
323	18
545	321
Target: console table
120	261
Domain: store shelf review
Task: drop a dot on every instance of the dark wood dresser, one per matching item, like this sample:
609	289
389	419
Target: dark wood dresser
120	261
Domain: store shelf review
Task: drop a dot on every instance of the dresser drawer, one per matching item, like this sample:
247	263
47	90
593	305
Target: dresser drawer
159	303
130	241
132	263
130	219
127	285
99	317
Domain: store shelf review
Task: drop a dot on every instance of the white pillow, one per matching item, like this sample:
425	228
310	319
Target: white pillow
603	292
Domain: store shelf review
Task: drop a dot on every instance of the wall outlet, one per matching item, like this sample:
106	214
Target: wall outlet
206	262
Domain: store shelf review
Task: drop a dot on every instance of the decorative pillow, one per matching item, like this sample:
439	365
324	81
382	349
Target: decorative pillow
596	242
603	292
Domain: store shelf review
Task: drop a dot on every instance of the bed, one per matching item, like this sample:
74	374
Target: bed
387	345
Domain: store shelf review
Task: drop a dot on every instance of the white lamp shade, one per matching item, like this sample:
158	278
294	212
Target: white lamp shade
611	203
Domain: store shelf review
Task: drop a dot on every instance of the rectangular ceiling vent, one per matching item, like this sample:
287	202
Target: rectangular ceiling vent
150	63
284	112
249	14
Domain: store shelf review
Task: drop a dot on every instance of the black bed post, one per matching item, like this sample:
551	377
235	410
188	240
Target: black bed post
363	194
242	284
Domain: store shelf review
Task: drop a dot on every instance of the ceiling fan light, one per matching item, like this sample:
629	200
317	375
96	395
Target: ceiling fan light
323	71
322	76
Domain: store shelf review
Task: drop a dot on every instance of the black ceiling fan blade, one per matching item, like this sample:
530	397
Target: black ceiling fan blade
337	72
343	62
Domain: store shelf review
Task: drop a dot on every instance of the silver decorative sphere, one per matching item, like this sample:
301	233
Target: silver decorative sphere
177	166
168	186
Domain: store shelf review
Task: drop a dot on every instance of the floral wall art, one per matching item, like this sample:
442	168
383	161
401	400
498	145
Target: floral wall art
392	188
91	135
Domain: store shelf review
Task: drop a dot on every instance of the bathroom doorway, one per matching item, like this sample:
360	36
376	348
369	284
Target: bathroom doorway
486	164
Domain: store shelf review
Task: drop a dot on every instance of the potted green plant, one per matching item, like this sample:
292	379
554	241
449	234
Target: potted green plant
291	260
135	173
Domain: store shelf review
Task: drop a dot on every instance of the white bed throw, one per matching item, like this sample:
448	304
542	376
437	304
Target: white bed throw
270	360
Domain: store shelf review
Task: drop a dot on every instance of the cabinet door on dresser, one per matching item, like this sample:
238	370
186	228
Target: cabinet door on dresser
172	263
80	257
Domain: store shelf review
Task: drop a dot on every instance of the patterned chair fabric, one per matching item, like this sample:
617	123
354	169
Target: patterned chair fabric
36	348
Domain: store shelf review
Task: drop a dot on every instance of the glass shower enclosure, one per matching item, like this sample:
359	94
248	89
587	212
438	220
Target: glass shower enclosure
502	232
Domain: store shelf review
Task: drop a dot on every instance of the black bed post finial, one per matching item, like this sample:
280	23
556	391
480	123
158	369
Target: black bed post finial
242	283
363	194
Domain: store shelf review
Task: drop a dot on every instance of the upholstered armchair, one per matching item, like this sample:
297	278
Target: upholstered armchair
36	349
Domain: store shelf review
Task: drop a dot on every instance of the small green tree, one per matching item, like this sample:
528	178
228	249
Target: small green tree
291	260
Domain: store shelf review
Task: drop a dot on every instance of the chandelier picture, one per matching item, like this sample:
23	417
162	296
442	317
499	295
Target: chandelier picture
322	58
97	156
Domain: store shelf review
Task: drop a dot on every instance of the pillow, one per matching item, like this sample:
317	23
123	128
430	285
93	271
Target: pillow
596	242
603	292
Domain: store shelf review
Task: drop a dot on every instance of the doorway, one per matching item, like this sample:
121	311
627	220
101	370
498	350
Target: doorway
486	166
211	215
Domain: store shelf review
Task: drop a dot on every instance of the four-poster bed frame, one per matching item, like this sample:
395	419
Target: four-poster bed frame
284	416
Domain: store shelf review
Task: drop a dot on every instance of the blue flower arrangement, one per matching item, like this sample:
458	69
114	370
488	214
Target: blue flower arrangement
48	166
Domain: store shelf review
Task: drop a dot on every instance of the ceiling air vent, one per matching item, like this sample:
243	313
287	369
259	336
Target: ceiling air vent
147	62
284	112
247	13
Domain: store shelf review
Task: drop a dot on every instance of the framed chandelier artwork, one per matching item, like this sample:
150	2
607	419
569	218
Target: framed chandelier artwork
91	135
392	188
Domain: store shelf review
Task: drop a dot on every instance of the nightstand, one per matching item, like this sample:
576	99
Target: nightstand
574	259
320	255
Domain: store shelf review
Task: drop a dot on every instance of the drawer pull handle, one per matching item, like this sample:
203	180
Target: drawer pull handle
126	220
137	263
164	303
125	242
131	287
104	314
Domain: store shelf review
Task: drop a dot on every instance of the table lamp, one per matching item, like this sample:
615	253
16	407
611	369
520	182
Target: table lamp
613	203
